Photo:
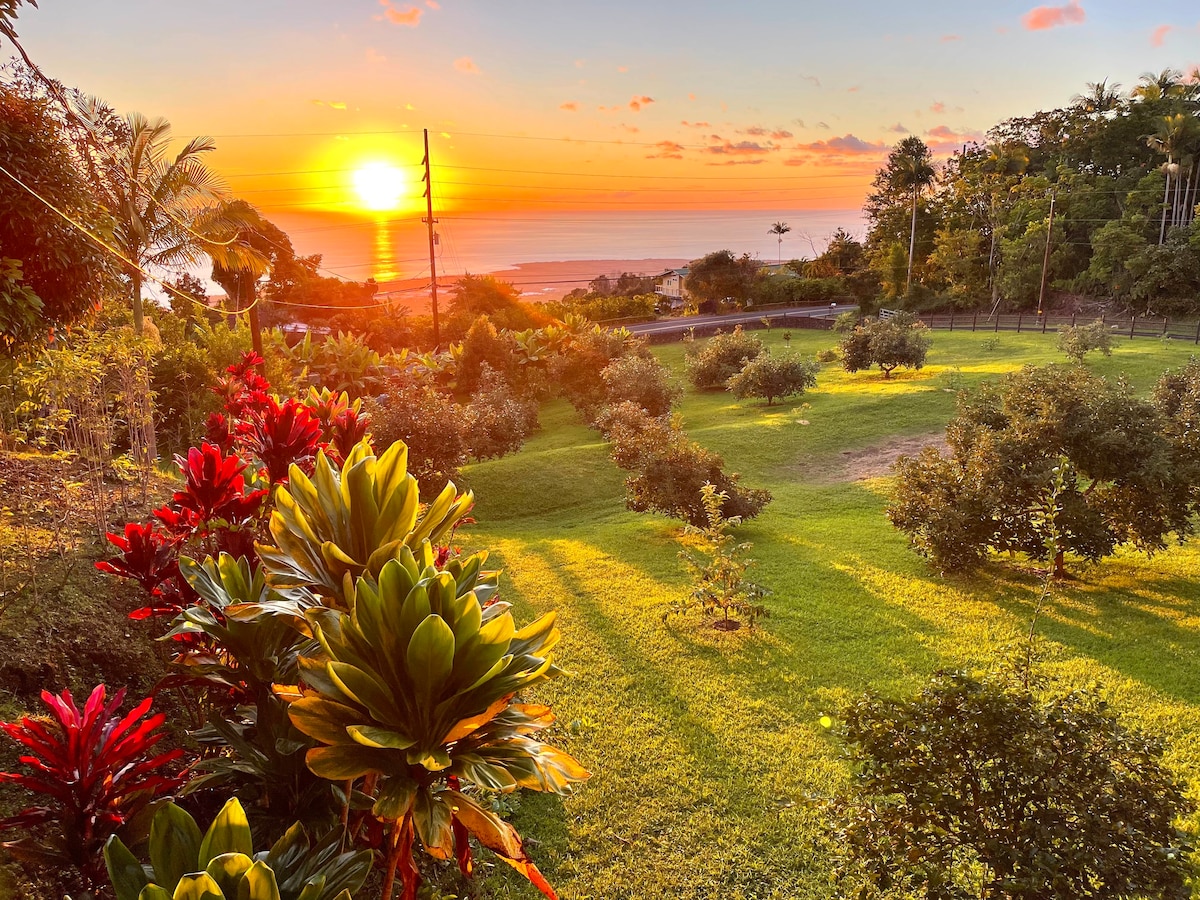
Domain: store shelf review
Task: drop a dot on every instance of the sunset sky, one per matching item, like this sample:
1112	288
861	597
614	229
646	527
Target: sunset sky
718	105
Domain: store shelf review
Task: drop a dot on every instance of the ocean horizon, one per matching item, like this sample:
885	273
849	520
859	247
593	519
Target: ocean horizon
396	248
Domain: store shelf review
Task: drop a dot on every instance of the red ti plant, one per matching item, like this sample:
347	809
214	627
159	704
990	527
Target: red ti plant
150	558
214	495
243	388
343	423
280	434
93	770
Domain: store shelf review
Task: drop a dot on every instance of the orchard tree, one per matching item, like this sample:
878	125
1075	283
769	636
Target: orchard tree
979	788
896	199
1126	477
1077	341
899	340
721	276
710	364
773	377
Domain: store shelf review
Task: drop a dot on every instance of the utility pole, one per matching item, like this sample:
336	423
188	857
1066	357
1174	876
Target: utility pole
431	221
1046	257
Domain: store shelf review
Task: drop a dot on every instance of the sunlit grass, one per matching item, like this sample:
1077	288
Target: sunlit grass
707	748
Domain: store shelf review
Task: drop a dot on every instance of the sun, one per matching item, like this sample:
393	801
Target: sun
379	185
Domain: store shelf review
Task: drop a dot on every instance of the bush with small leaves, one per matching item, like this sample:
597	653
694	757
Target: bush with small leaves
710	364
827	355
429	422
984	788
589	352
889	343
642	380
773	377
496	421
669	472
1077	341
485	346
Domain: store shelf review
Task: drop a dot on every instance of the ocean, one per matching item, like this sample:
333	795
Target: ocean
395	249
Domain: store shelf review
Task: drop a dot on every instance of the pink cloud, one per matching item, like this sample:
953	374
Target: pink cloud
776	134
947	38
854	90
433	4
938	107
332	104
632	129
944	139
570	106
467	65
666	150
899	129
1160	35
740	148
409	16
638	102
813	79
686	124
1041	18
846	145
622	69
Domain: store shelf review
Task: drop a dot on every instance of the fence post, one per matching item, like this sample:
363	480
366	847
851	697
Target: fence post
1102	322
1045	319
1019	317
974	320
1072	320
1132	325
1197	340
997	328
1164	324
951	320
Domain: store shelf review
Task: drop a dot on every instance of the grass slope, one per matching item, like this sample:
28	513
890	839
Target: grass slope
708	756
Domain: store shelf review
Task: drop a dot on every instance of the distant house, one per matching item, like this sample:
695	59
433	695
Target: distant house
670	285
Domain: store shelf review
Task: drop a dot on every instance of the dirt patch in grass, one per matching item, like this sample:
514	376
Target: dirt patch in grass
876	461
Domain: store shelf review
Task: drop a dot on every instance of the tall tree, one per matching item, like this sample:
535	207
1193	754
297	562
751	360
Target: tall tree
896	197
779	229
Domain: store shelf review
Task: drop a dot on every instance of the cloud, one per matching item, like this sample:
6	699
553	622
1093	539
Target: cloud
374	56
1041	18
854	90
739	148
638	102
846	145
569	106
666	150
467	65
948	38
737	162
938	107
944	139
632	129
433	4
1160	35
686	124
622	69
775	134
691	96
813	79
332	104
610	108
409	16
899	129
580	63
823	125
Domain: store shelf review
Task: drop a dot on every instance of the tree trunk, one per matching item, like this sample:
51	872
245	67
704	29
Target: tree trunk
912	243
1059	569
1176	212
138	316
1162	229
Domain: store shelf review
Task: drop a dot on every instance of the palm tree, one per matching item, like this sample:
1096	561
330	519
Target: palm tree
1099	99
779	229
914	172
1165	85
1172	138
165	209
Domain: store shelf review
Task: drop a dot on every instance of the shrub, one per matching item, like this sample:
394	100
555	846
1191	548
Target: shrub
979	788
711	364
1077	341
670	471
95	768
588	352
718	567
772	377
221	864
889	343
642	380
846	322
428	422
827	355
496	421
485	346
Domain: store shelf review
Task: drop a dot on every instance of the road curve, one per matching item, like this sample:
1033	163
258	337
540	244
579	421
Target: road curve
670	326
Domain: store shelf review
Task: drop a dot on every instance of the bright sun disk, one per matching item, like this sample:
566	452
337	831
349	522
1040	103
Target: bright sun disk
379	185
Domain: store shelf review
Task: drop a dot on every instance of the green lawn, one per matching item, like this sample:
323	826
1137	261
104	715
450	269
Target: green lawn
707	753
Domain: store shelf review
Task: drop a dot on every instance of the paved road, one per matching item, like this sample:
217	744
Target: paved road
670	326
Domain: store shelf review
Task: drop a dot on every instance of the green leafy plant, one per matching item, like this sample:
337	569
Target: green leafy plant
1077	341
773	377
981	788
221	864
712	363
343	524
414	689
718	565
900	340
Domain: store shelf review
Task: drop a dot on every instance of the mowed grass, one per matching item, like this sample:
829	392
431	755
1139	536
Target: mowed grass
708	757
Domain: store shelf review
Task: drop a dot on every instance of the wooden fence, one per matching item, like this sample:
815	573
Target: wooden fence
1121	326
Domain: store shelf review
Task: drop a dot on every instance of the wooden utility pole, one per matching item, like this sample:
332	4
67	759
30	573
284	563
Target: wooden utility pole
1046	257
431	221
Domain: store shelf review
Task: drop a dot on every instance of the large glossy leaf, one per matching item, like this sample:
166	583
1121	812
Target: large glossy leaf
197	886
124	871
174	845
229	833
430	657
227	871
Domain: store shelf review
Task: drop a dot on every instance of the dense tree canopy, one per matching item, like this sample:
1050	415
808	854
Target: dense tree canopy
721	276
